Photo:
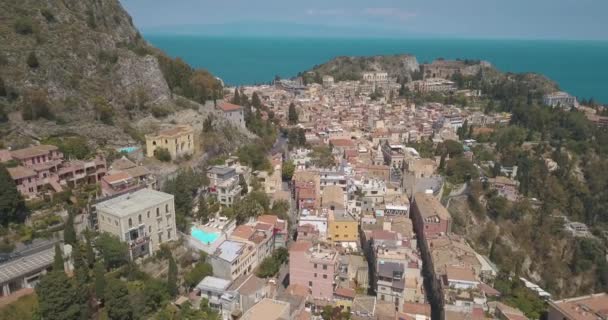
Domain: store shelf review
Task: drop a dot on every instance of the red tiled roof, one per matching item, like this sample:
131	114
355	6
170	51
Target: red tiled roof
417	308
300	246
20	172
384	235
267	218
263	226
345	292
342	142
119	176
229	107
243	232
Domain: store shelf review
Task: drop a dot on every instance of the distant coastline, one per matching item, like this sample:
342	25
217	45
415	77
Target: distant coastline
578	66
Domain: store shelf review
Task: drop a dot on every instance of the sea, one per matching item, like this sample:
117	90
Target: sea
579	67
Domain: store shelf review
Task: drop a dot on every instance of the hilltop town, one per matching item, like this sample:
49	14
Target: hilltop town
384	197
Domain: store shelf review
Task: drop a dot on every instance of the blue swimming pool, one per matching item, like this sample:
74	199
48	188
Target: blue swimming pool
204	237
128	149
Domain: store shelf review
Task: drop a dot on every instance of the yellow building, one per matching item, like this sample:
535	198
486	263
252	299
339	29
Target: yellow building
342	227
178	140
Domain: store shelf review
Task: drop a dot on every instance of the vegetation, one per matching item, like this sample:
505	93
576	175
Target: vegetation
322	157
162	154
24	26
292	115
32	60
12	205
114	252
184	187
36	106
72	147
254	155
198	273
271	265
25	307
183	80
288	170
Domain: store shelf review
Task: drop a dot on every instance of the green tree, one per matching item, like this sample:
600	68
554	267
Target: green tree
35	105
442	161
58	263
236	99
100	280
172	284
162	154
203	209
255	101
288	170
3	91
57	297
201	270
90	253
155	294
32	60
114	252
12	205
292	115
117	300
243	184
69	233
83	292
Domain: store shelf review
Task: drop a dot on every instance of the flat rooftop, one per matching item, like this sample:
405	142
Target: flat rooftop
429	206
25	265
589	307
229	250
210	282
127	204
268	309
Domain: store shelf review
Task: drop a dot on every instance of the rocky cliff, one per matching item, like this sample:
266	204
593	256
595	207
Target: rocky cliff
81	67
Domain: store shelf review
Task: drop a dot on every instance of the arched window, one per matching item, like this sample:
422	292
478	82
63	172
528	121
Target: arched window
139	218
167	208
130	223
158	212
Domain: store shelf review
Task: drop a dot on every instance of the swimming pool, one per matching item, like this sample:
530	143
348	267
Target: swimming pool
204	237
128	149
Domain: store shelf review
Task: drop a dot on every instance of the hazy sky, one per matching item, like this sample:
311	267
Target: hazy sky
554	19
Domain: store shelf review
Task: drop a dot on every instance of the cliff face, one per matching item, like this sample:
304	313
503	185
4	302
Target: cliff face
81	67
351	68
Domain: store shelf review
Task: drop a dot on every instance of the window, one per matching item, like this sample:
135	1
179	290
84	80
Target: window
168	234
139	218
324	267
345	236
310	283
315	266
169	220
158	212
166	208
149	229
148	214
130	223
160	237
324	276
315	275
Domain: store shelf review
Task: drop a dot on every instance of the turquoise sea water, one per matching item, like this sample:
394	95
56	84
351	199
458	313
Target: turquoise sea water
579	67
204	237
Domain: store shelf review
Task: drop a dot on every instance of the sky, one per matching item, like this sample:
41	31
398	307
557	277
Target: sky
521	19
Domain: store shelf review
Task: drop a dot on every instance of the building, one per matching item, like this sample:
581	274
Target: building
212	289
144	219
224	184
43	167
342	227
507	188
179	141
268	309
328	81
560	99
125	176
314	267
430	216
279	227
333	198
432	85
233	113
591	307
233	259
375	76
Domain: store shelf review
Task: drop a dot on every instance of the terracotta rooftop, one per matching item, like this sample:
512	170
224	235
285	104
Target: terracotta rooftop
33	151
458	273
298	290
342	142
345	292
243	232
229	107
116	177
300	246
417	308
267	218
429	206
122	164
20	172
589	307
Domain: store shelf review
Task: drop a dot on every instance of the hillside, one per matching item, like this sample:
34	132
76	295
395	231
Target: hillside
81	67
350	68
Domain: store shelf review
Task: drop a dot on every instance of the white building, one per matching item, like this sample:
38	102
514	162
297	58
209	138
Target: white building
561	99
144	219
233	113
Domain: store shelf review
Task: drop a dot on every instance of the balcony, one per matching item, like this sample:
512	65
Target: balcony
139	241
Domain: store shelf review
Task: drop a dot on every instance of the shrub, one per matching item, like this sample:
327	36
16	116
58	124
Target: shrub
160	111
36	106
162	154
24	26
32	60
48	15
